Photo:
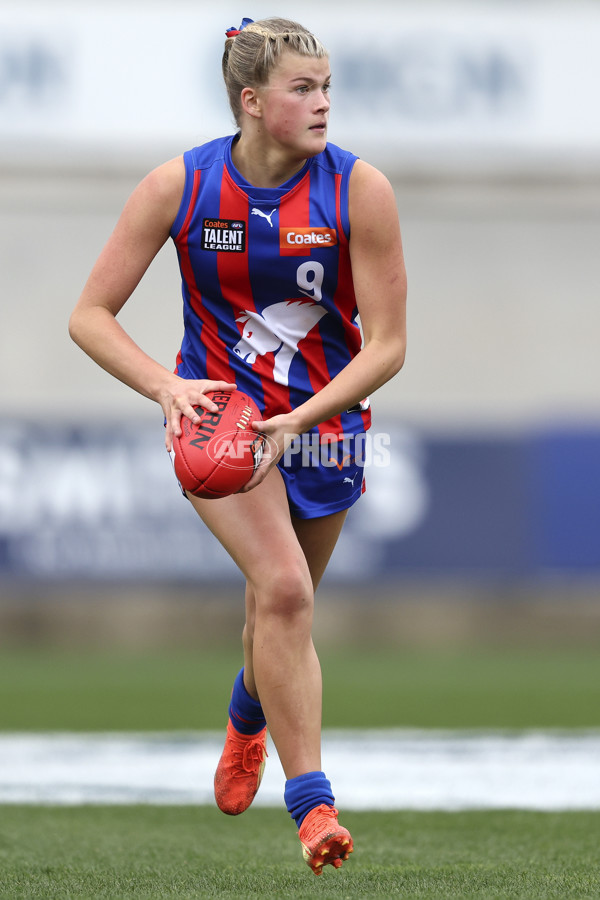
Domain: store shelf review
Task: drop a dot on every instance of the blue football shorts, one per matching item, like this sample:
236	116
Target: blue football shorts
323	478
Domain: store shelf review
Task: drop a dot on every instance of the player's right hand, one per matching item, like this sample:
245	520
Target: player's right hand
181	396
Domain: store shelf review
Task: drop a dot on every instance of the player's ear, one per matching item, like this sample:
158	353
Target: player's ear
251	102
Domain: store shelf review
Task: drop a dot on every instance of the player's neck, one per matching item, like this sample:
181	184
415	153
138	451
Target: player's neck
266	167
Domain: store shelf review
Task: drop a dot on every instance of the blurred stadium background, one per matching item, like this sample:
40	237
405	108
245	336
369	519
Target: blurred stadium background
485	525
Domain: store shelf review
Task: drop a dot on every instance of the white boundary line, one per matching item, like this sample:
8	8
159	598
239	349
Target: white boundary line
368	769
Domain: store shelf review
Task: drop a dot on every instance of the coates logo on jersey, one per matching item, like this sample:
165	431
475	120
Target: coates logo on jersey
300	241
227	235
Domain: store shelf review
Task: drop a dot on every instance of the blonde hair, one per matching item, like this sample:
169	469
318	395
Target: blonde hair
251	55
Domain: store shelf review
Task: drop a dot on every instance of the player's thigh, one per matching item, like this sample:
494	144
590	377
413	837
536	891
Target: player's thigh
318	538
256	530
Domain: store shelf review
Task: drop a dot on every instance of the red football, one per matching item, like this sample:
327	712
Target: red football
218	456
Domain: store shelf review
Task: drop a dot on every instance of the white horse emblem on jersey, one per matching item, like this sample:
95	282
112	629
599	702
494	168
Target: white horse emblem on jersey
258	212
278	330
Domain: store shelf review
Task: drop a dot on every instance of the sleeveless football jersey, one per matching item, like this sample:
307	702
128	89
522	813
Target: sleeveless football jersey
266	280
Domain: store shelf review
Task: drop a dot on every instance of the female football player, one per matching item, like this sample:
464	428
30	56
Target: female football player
283	240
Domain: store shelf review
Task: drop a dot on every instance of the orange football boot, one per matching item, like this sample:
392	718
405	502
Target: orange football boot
240	770
324	841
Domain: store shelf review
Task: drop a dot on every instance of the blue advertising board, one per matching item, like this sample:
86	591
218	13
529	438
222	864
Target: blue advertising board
101	502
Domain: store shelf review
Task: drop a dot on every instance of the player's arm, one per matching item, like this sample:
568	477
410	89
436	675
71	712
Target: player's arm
379	279
141	231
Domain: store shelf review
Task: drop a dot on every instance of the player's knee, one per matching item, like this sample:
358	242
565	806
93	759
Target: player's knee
248	632
248	635
286	593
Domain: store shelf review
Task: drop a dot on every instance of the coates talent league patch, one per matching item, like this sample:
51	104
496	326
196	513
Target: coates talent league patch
224	234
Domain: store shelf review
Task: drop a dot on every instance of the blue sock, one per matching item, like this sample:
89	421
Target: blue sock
245	712
305	792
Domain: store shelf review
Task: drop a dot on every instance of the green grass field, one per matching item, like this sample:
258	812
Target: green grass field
160	852
491	688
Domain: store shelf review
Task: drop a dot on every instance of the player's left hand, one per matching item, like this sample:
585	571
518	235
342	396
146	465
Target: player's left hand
279	435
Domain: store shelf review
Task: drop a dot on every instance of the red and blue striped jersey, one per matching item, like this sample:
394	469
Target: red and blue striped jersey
266	280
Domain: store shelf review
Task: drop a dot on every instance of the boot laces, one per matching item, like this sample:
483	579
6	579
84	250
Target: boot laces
314	827
251	754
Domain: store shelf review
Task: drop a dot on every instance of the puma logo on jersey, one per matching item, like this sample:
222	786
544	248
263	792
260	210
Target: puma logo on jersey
350	480
258	212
